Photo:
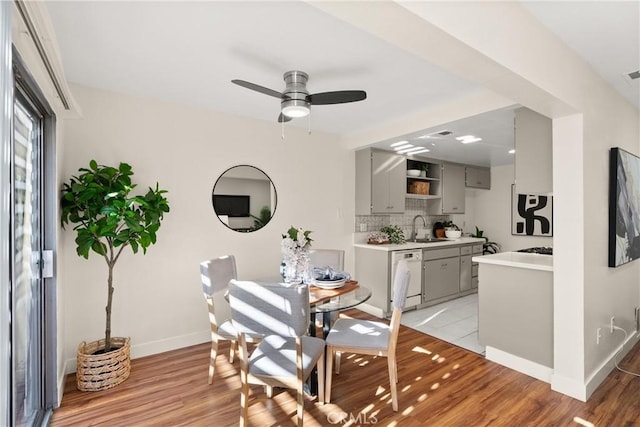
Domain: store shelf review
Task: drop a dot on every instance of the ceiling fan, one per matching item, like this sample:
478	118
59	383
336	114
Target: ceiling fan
296	101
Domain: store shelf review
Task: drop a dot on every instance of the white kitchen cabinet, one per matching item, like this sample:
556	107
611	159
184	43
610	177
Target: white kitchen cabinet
478	177
380	182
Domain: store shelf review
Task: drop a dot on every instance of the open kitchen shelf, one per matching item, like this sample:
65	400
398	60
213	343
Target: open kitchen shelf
423	187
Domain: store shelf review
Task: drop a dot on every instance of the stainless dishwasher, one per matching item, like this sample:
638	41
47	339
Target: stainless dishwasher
414	261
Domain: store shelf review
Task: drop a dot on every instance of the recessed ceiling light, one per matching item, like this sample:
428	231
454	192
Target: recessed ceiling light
512	151
402	147
412	150
467	139
395	144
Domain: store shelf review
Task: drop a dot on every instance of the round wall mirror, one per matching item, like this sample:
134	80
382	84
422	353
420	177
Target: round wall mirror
244	198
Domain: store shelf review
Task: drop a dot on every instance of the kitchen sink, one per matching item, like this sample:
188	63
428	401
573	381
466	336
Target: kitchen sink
434	240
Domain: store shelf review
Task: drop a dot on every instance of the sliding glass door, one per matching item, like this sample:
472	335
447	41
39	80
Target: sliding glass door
27	292
32	301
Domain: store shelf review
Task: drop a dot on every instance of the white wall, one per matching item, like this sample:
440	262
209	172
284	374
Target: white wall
493	212
158	300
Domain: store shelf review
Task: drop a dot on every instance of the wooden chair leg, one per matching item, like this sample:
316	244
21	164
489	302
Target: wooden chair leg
232	351
300	393
212	360
393	382
338	354
329	374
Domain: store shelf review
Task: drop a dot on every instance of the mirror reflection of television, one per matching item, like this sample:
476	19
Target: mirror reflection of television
231	205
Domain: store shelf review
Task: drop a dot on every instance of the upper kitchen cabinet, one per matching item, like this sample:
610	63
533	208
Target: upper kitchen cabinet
452	193
534	157
478	177
380	182
453	178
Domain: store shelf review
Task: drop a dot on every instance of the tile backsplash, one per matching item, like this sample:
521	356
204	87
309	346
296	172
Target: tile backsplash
404	220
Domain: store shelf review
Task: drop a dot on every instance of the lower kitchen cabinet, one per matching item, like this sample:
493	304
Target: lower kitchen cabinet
441	278
438	274
465	272
449	273
477	251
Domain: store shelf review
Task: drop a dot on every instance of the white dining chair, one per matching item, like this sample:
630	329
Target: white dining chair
285	356
215	275
333	258
370	337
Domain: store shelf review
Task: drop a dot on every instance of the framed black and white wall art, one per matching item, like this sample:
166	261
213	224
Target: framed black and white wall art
531	214
624	207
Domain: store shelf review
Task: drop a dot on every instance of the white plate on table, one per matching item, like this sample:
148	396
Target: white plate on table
330	284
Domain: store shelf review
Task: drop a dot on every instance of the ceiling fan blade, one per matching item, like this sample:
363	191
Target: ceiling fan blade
337	97
257	88
283	118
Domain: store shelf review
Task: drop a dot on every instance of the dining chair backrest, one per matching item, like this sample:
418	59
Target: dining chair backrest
269	309
401	284
216	274
333	258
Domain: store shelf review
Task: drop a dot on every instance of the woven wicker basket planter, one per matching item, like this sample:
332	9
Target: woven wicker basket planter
96	372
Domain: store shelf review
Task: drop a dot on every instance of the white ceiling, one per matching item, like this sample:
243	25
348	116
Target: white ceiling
188	52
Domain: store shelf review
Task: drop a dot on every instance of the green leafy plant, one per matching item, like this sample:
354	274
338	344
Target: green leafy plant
261	220
450	224
487	247
395	233
108	219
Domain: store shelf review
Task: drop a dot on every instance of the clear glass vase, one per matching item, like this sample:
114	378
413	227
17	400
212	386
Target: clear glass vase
296	266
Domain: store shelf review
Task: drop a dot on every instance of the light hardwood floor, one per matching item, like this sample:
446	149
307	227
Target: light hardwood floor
439	385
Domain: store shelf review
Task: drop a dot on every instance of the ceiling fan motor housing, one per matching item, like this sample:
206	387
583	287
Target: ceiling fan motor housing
295	101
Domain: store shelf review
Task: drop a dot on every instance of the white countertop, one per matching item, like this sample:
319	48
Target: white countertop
518	260
415	245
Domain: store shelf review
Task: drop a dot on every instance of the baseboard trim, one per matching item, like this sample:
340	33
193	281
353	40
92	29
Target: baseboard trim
601	373
527	367
152	347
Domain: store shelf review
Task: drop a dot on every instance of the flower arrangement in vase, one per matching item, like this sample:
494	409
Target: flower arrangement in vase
295	254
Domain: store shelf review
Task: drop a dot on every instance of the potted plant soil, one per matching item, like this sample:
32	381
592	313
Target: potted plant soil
107	220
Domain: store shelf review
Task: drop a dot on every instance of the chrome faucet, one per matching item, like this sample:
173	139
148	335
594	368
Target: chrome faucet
413	226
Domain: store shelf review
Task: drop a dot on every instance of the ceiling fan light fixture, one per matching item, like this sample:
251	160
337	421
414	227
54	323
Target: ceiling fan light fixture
295	108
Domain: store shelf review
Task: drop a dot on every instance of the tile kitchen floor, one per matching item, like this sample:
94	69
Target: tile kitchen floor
454	321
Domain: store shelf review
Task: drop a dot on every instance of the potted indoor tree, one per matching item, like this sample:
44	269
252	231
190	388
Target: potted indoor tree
107	220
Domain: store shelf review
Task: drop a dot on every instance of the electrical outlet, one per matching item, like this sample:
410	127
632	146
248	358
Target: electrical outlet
598	335
613	322
363	227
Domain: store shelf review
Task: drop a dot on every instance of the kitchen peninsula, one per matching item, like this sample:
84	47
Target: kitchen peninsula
515	310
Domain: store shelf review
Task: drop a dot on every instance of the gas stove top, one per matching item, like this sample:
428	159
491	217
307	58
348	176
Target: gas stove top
542	250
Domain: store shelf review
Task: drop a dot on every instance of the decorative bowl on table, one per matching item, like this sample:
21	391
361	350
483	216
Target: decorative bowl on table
327	278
